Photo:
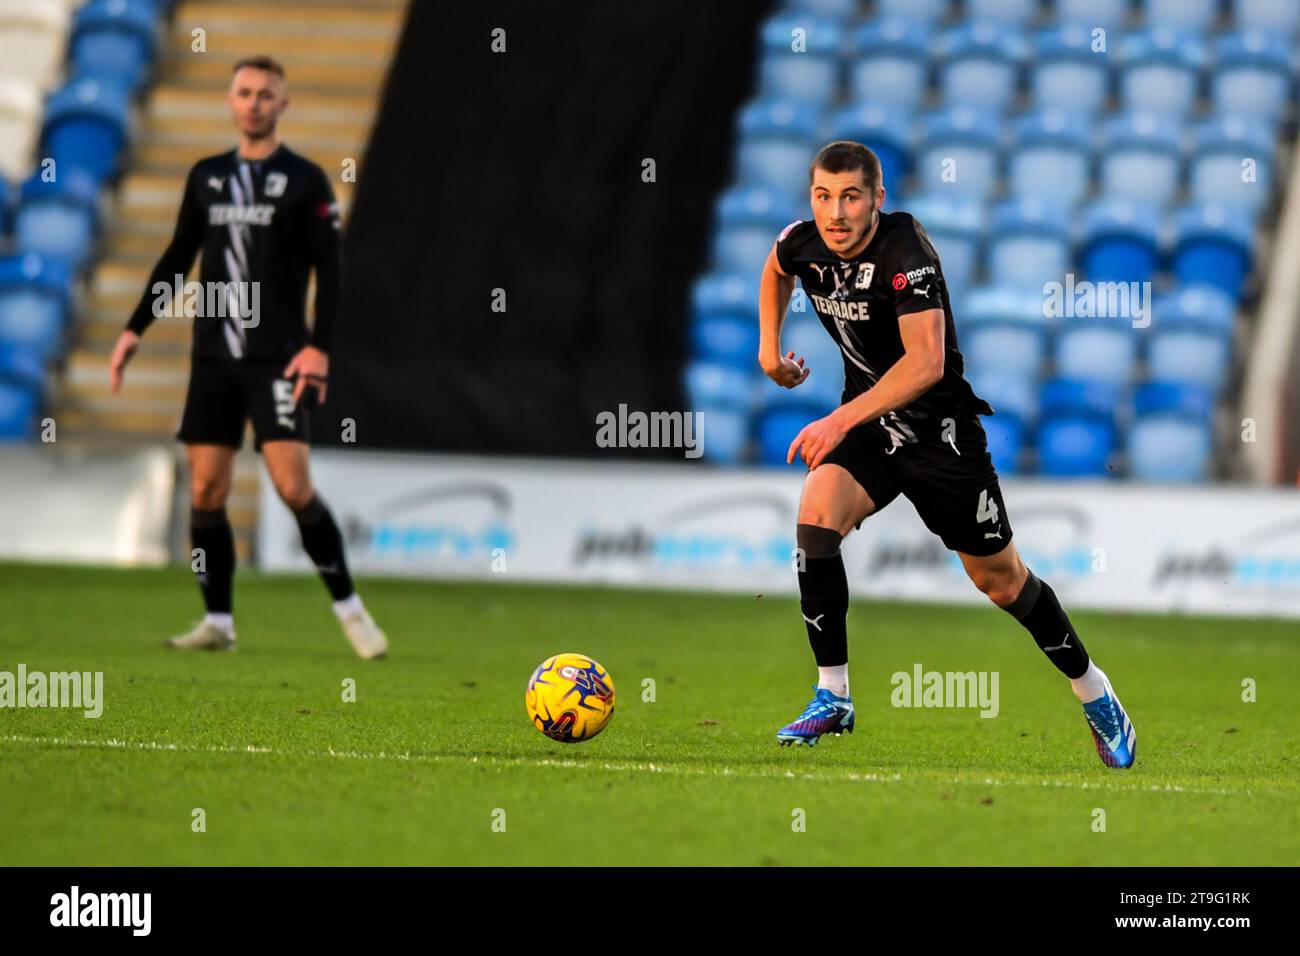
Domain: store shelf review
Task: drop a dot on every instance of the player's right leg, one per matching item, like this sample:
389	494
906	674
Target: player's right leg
213	546
833	503
212	429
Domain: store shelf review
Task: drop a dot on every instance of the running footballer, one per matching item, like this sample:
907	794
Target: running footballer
908	424
262	219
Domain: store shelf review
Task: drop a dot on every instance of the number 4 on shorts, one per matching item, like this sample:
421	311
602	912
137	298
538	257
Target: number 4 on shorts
988	508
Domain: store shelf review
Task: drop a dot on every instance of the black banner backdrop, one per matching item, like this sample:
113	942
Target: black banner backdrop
522	171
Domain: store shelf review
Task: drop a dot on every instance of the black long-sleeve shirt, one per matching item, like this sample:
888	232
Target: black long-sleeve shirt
262	227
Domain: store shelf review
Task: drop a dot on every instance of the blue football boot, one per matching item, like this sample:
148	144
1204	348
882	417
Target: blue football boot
1112	731
825	714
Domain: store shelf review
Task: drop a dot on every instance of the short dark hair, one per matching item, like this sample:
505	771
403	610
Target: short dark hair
260	62
846	156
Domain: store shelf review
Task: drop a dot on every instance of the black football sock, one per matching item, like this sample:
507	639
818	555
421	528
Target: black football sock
214	562
323	542
1042	615
824	594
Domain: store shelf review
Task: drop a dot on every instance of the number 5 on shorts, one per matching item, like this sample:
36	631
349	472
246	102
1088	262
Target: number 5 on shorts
282	393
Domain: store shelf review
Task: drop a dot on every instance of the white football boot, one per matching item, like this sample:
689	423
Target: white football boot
204	637
367	639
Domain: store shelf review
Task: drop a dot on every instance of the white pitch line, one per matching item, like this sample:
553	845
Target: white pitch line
832	776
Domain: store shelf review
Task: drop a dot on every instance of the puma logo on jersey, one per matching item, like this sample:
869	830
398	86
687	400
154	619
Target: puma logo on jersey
217	182
923	290
821	271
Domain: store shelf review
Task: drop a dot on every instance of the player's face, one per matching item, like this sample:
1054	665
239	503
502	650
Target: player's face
843	210
257	98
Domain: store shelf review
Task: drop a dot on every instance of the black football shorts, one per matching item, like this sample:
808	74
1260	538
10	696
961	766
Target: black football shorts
948	476
224	393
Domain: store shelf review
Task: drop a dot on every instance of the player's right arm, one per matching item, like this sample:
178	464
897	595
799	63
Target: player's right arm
175	260
773	299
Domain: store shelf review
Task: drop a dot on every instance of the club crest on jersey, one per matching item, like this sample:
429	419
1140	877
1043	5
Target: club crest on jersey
275	184
865	271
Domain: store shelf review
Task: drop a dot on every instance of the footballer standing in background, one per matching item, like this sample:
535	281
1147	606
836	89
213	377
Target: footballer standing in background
264	218
908	423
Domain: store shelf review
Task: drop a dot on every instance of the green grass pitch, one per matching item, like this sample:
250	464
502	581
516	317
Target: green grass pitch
416	770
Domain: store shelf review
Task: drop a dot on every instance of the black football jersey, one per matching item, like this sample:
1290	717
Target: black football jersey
859	301
261	226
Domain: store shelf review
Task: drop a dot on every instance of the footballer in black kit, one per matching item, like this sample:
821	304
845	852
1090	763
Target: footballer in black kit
909	424
261	219
260	227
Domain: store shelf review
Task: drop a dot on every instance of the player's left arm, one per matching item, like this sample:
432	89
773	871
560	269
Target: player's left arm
918	370
311	365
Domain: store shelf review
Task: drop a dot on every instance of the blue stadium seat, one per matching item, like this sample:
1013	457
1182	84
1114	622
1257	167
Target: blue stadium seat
1103	348
1232	162
1139	159
1160	70
835	9
1067	73
955	226
959	153
1050	159
1192	15
749	220
115	40
7	201
809	340
59	219
34	304
724	328
1006	438
725	397
776	145
810	74
724	434
920	12
1101	13
1213	243
979	64
1276	16
1012	395
1171	440
1191	337
19	363
1076	434
1029	243
1004	12
882	129
19	403
85	127
777	428
1120	242
719	386
1003	329
1252	74
890	60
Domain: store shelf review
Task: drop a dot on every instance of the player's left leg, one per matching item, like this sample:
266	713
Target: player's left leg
1005	580
288	464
